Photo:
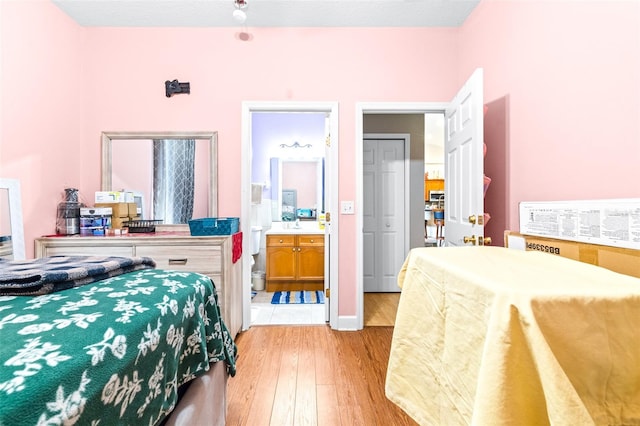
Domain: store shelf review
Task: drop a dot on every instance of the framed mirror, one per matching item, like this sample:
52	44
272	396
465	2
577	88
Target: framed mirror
145	162
11	226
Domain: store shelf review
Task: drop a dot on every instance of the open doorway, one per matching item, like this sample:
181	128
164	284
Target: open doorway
251	179
423	135
394	118
434	179
463	170
287	158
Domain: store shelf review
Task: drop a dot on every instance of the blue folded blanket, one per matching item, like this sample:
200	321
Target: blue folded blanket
50	274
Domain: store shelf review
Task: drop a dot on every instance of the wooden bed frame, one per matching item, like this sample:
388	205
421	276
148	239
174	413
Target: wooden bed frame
622	260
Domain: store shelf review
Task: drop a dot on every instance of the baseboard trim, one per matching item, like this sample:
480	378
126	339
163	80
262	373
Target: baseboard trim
348	323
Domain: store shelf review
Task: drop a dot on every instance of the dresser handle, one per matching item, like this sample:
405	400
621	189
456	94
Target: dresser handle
182	261
311	241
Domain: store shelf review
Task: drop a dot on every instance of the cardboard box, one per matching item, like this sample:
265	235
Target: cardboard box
618	259
122	212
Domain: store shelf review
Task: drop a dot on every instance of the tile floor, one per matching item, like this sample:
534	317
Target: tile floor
264	313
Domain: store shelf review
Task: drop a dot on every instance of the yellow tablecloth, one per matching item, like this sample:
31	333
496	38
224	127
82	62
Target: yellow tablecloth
495	336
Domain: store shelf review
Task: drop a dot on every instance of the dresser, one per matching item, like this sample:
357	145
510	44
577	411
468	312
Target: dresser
211	256
295	262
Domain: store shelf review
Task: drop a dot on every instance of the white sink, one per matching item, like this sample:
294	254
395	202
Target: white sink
305	228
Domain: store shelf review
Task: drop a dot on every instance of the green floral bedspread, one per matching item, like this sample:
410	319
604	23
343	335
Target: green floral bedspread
110	352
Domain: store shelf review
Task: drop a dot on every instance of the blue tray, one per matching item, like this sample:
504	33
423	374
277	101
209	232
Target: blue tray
214	226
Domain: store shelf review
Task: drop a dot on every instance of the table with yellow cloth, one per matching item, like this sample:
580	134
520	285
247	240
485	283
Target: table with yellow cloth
496	336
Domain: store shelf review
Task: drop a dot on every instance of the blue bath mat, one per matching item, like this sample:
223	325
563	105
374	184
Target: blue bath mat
299	297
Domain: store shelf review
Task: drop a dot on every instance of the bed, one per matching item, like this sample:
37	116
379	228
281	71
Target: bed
490	335
90	340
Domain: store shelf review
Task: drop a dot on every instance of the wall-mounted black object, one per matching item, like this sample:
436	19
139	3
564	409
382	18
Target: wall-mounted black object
172	87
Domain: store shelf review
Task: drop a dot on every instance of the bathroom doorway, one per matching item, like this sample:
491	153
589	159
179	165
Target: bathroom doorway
260	159
287	170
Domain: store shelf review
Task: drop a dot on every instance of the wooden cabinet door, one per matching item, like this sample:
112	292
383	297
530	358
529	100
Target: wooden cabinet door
281	257
310	257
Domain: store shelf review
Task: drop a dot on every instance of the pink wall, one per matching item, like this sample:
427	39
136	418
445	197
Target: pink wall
571	74
42	93
275	65
570	70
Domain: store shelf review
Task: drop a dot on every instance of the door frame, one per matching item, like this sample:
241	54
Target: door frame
406	138
377	108
331	164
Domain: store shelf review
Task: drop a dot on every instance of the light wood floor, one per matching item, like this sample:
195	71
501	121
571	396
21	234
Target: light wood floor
380	309
312	375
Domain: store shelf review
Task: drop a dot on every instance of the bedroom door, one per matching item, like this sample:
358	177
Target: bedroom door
383	213
463	165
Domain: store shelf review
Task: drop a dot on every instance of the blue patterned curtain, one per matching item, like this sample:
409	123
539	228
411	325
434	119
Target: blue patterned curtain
173	179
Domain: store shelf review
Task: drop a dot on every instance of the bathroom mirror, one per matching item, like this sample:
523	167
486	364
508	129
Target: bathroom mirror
128	163
11	227
303	176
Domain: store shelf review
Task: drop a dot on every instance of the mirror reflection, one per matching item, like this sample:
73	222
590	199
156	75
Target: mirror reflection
298	189
11	229
5	225
172	175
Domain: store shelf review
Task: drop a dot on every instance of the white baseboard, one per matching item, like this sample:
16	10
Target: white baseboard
348	323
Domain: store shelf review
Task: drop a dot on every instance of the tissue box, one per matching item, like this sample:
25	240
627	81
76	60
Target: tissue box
100	211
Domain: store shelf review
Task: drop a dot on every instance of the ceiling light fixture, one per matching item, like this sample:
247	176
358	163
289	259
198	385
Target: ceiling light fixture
239	14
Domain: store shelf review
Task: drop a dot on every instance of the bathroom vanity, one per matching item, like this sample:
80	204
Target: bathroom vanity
295	260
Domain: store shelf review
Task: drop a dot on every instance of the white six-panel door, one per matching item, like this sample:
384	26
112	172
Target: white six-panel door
383	213
463	164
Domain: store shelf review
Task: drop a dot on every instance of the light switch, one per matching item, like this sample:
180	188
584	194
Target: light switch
346	207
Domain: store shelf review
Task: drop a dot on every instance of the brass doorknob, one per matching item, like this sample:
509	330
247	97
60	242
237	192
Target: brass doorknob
471	239
472	219
487	241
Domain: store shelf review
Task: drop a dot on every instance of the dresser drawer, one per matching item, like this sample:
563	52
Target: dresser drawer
202	259
126	251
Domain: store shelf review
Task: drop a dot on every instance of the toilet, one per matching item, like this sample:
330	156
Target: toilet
257	277
256	232
260	221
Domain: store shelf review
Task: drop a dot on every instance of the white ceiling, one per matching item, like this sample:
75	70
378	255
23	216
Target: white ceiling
269	13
